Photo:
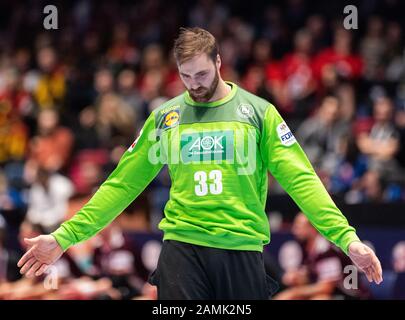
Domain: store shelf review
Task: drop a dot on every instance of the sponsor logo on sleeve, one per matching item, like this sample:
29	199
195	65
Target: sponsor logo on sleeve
171	119
134	143
285	135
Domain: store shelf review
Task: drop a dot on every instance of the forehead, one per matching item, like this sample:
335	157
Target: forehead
196	64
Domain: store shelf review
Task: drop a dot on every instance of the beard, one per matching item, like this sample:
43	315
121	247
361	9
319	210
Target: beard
203	94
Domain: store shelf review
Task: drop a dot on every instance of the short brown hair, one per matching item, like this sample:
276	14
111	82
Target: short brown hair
192	42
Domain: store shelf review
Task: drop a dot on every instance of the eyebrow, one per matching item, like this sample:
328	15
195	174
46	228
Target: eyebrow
198	73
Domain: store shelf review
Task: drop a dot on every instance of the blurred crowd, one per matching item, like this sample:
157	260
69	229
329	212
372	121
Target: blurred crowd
73	99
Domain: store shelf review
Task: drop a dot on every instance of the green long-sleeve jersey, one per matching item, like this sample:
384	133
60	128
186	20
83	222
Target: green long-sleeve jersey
218	154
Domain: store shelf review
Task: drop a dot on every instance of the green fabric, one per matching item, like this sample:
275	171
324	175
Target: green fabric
291	168
218	155
133	173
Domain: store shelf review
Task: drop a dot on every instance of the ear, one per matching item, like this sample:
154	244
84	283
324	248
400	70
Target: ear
218	62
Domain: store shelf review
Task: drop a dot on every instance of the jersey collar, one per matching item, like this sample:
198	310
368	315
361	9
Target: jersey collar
228	97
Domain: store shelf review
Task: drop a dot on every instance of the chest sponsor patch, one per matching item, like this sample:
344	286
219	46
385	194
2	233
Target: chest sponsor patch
207	146
285	135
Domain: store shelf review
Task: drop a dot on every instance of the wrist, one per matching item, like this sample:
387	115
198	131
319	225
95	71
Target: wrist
352	242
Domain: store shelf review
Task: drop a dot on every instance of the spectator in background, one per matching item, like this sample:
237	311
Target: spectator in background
258	72
345	92
152	85
153	59
393	59
17	100
48	199
23	287
320	134
154	73
320	277
51	148
348	166
317	27
173	84
368	189
206	13
114	258
372	49
381	144
122	51
50	89
86	135
103	84
8	258
12	203
273	76
115	121
337	62
398	257
136	217
64	281
126	87
15	103
33	288
67	267
269	55
87	171
299	81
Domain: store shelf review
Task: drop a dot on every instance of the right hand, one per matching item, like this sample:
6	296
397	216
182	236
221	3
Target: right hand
365	259
43	251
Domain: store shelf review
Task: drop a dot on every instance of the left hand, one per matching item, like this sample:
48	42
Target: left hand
43	251
365	259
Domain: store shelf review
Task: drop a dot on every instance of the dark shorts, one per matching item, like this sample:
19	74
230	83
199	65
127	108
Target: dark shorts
191	272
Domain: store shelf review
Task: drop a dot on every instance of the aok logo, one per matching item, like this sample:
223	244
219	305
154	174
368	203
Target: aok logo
205	146
207	143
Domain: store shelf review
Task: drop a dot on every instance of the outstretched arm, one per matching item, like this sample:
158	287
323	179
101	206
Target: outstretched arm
289	165
135	171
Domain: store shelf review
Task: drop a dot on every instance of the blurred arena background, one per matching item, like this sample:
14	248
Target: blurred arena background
72	100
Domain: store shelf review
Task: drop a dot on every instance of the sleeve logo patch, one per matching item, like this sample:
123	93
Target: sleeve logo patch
134	143
285	135
171	119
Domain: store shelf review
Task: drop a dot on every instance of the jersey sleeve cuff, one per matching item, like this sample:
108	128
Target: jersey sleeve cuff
62	237
348	238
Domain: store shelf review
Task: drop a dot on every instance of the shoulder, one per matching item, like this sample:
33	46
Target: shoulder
249	102
259	104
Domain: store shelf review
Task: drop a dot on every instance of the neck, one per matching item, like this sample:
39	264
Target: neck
222	91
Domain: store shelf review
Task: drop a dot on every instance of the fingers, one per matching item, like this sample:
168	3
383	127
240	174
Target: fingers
41	270
28	265
369	274
376	275
25	258
377	270
373	271
362	261
33	269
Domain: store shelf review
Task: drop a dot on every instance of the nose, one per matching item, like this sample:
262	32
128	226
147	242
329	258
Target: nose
194	85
